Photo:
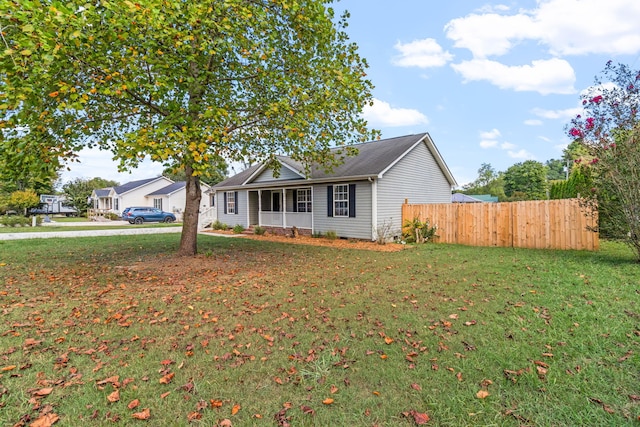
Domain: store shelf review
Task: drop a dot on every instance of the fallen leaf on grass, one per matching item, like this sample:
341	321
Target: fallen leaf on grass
388	340
8	368
307	410
133	404
42	392
420	418
114	397
215	403
167	378
46	420
328	401
235	409
225	423
142	415
194	416
416	387
482	394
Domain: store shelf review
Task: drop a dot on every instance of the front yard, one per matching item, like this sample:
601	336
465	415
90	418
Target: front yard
253	332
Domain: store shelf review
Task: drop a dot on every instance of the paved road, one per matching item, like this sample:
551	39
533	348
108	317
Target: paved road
88	233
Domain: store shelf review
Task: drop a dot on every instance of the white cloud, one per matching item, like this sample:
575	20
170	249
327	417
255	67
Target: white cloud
542	76
521	154
426	53
508	146
490	33
533	122
95	163
488	143
492	134
564	27
383	114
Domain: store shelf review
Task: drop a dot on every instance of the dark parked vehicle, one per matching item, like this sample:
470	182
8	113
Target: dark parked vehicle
140	214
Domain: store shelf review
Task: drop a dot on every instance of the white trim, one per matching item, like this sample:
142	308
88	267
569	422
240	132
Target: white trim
283	207
264	166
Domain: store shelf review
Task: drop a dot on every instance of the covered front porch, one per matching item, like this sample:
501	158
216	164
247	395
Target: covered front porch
282	208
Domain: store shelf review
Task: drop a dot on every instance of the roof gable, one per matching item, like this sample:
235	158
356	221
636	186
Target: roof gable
132	185
374	158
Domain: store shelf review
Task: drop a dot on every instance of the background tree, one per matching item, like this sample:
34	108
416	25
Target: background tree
22	200
556	169
609	130
579	184
488	182
185	83
526	181
78	191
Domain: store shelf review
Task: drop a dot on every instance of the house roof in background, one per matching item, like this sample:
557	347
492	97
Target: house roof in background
485	197
171	188
463	198
132	185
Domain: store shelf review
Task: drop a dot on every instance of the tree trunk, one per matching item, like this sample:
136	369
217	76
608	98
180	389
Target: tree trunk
189	239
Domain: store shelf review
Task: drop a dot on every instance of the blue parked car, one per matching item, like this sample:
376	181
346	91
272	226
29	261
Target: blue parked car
141	214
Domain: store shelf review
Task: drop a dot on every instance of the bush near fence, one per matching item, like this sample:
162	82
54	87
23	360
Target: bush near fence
540	224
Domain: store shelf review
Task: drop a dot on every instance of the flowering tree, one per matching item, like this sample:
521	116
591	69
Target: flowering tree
610	130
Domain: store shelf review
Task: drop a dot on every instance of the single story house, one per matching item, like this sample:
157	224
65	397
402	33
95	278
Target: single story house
358	199
159	192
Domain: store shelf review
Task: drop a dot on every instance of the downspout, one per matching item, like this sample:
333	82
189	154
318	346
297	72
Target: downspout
313	205
374	207
284	208
260	208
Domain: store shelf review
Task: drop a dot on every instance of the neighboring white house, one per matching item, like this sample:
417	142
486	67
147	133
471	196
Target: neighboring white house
357	199
159	192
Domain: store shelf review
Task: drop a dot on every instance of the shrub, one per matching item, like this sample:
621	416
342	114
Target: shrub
259	230
331	235
238	228
384	232
417	231
15	221
217	225
317	235
112	216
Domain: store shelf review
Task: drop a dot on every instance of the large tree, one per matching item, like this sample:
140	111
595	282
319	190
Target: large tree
184	83
526	181
609	129
488	182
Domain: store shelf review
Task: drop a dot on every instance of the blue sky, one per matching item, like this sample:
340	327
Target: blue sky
492	82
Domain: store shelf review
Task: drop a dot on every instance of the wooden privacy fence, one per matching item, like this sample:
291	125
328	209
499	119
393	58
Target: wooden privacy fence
540	224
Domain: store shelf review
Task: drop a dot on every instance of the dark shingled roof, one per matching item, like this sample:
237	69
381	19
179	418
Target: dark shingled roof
132	184
372	159
171	188
103	192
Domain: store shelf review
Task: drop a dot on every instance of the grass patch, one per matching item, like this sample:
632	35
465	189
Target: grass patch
261	333
52	228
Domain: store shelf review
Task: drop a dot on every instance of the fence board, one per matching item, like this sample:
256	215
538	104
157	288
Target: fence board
541	224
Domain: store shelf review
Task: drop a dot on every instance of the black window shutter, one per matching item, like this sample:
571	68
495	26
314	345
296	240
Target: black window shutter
329	200
295	200
352	200
236	199
225	202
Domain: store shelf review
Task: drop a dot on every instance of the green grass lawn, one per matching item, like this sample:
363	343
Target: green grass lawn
106	330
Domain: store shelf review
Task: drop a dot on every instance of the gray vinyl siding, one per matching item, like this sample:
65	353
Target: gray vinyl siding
285	174
233	219
358	227
418	178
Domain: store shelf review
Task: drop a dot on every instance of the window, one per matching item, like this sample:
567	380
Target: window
341	200
157	203
303	200
230	199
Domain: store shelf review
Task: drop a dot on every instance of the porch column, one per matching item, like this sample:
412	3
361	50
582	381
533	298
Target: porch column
284	208
260	207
